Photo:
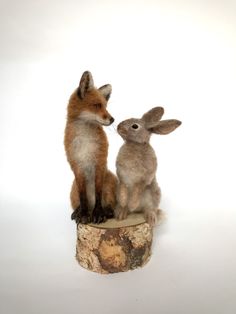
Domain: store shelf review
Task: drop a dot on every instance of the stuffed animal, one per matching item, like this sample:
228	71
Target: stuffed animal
136	165
93	190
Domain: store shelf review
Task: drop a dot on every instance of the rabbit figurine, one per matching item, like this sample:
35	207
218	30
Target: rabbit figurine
136	165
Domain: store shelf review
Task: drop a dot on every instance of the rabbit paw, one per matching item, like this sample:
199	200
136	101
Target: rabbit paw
121	213
151	218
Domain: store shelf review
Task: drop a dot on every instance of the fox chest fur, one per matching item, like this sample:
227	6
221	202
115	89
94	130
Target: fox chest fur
86	144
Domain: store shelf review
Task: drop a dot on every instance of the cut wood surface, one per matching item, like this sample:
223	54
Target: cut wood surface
114	246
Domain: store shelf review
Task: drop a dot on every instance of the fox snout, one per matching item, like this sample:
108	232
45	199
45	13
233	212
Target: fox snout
100	117
107	118
111	120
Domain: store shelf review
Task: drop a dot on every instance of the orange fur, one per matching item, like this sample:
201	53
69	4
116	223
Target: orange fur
76	105
94	184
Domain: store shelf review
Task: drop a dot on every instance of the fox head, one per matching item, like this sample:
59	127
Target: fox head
89	103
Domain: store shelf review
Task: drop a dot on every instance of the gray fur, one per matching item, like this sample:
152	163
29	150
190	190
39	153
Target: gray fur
136	165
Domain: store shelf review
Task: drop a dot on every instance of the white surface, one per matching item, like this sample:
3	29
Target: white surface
174	53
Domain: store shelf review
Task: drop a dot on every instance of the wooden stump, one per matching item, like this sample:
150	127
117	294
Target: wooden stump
114	246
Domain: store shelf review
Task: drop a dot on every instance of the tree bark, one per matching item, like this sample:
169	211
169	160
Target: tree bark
114	246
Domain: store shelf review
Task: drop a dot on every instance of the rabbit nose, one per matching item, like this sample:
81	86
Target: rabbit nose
119	127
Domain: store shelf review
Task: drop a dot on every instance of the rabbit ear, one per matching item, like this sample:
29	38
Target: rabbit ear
165	126
152	117
86	83
106	91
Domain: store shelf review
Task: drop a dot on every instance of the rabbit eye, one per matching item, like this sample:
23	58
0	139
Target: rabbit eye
135	126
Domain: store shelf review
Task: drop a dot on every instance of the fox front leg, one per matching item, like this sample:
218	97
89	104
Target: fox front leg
98	214
81	213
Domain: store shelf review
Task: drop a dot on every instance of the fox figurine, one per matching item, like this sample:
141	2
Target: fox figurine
94	187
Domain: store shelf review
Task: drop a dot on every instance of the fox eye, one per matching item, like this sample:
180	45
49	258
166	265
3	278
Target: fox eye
98	106
135	126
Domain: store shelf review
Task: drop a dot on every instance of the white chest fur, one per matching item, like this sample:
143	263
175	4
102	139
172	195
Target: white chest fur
85	144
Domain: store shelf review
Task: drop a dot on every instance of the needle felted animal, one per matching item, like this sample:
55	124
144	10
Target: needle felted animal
136	165
93	190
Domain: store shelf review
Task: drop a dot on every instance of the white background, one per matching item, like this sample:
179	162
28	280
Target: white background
178	54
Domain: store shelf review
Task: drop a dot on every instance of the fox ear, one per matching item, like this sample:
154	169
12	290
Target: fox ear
152	117
106	90
165	126
86	83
